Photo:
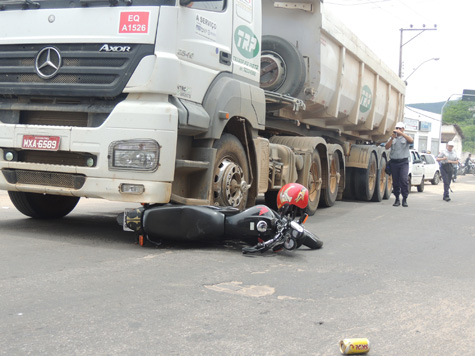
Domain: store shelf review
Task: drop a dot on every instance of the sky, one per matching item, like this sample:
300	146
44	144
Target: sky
378	22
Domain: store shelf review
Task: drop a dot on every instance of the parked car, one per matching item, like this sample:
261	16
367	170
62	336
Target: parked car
416	171
431	168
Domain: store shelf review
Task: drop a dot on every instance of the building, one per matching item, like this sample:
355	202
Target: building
453	133
425	128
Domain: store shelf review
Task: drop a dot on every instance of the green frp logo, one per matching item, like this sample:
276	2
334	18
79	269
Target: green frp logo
246	42
366	99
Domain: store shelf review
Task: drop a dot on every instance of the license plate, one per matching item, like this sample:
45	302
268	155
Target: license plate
43	143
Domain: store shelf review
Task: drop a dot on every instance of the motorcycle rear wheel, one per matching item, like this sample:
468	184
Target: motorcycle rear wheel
312	241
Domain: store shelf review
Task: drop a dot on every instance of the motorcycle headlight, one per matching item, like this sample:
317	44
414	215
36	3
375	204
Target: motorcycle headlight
140	155
297	230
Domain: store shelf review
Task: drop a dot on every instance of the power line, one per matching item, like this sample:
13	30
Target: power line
363	2
413	10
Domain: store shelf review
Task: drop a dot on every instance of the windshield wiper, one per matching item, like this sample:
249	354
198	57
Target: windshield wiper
25	4
111	2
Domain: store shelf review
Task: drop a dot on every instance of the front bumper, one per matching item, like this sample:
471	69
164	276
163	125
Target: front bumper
137	117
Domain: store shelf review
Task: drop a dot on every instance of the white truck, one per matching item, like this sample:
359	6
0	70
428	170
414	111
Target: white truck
188	102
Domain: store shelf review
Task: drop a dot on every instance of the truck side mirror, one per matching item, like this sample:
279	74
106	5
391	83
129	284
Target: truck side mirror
185	2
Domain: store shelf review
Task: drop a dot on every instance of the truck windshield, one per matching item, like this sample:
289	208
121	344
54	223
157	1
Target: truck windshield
61	4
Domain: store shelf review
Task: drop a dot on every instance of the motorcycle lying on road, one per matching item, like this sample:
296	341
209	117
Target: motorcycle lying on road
259	226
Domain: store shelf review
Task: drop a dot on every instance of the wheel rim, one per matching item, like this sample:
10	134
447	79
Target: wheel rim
229	184
334	175
314	183
273	71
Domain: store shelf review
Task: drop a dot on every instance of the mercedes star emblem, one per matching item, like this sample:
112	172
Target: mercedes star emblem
48	62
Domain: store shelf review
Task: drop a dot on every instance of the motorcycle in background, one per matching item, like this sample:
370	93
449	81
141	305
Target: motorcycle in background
467	169
259	226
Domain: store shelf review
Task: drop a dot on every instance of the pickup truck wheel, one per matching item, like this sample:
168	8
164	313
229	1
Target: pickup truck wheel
314	185
330	192
420	187
43	206
436	179
409	184
231	173
282	66
366	179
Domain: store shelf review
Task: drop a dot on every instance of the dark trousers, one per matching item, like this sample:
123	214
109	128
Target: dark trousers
447	179
400	171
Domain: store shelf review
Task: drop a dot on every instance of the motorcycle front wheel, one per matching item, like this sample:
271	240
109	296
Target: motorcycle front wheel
312	241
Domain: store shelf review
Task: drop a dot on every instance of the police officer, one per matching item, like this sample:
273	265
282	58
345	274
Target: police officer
399	143
447	158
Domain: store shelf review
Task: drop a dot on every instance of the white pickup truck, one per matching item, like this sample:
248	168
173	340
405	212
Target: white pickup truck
416	171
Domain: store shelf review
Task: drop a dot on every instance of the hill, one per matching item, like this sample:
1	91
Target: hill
435	108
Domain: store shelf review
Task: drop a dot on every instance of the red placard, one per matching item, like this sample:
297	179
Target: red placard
42	143
134	22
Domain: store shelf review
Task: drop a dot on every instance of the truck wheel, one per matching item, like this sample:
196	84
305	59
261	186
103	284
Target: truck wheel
43	206
409	184
389	188
314	185
349	192
282	66
381	182
365	180
420	187
231	173
330	192
270	197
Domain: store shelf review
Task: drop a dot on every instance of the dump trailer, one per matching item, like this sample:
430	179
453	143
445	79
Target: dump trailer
188	102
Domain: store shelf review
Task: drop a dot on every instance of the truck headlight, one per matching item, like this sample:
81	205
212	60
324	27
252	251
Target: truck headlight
140	155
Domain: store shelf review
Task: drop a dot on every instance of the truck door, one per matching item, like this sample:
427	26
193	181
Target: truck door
205	35
247	39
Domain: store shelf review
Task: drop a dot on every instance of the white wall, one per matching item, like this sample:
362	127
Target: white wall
428	141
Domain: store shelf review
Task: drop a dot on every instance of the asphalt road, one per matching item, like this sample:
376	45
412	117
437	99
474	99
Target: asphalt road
401	277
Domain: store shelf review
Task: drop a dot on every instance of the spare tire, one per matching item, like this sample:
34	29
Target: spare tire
282	66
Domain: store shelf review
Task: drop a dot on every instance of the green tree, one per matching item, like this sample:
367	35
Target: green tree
462	113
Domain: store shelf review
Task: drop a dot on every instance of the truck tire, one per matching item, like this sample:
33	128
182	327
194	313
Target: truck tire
389	187
349	192
282	66
381	182
366	179
231	173
314	184
43	206
270	198
330	192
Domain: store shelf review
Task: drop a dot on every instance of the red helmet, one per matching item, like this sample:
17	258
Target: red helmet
293	194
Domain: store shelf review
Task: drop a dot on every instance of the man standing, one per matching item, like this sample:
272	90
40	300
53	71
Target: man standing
447	159
399	143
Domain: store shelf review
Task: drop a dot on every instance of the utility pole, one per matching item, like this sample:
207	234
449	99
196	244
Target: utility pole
401	44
